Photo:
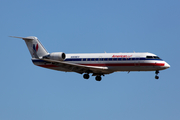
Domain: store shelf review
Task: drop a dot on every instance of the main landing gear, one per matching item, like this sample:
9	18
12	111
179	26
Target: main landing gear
98	78
157	77
86	76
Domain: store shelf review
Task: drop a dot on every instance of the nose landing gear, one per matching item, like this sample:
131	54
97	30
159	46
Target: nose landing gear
157	77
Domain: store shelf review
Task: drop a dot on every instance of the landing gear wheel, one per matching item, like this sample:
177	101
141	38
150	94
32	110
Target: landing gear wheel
156	77
98	78
86	76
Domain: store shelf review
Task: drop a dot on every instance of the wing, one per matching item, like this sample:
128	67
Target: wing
80	68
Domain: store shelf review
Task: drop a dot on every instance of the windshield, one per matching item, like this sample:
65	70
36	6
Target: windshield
152	57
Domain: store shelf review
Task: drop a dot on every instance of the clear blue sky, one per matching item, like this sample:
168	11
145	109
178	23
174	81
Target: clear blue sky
28	92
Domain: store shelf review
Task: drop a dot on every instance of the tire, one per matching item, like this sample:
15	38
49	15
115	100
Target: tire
98	78
86	76
156	77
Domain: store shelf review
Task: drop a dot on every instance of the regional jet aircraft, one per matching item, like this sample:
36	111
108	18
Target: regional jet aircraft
97	64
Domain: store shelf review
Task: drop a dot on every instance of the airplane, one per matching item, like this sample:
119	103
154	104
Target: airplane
97	64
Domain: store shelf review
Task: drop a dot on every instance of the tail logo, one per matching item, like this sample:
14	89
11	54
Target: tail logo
35	47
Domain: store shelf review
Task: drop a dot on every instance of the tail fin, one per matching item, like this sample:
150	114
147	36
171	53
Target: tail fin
36	49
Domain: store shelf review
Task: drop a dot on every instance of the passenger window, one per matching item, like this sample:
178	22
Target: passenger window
100	59
114	59
92	59
128	58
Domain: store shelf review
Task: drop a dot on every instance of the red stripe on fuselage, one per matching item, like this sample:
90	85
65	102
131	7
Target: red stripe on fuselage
112	64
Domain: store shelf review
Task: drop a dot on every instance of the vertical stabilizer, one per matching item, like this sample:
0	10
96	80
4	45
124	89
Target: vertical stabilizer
36	49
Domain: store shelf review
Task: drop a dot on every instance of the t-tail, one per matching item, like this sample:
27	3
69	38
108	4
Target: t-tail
35	47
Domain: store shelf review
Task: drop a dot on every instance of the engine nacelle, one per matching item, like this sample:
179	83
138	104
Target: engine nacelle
56	56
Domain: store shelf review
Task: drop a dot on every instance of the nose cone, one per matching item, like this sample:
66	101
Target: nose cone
166	65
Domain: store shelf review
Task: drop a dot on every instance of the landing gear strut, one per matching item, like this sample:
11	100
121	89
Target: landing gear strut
86	76
157	77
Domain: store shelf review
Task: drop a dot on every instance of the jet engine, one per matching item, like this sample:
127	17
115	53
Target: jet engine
56	56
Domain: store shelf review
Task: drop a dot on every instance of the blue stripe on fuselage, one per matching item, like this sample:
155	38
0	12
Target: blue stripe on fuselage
107	59
99	59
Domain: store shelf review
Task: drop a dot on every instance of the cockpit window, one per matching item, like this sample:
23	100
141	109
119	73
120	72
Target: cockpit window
156	57
149	57
152	57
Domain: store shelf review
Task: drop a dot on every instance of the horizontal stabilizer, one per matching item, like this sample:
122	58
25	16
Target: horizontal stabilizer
22	38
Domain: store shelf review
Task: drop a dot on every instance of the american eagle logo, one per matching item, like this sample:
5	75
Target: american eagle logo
35	48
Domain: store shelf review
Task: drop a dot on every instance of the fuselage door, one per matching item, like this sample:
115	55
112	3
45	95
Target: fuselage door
100	60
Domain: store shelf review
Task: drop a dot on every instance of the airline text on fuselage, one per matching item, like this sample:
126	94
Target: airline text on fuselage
122	56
